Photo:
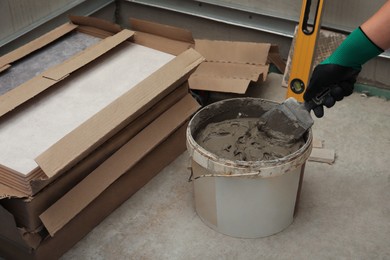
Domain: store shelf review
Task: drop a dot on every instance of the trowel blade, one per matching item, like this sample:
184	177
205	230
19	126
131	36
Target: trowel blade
287	121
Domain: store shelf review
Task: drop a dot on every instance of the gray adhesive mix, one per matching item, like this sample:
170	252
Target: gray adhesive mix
240	139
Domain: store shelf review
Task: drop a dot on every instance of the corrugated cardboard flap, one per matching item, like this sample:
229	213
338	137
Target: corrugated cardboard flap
171	32
95	26
233	52
95	23
88	136
64	69
5	67
161	37
36	85
226	77
231	70
230	66
229	85
66	208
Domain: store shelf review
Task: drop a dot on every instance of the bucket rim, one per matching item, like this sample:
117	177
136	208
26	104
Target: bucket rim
262	168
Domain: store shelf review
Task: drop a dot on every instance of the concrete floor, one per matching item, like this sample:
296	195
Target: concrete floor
344	210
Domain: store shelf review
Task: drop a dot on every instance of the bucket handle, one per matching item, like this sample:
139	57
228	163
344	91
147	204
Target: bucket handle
249	174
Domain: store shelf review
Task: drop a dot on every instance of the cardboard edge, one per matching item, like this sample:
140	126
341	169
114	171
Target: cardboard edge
226	85
166	38
64	69
223	55
36	44
95	23
231	70
236	52
93	31
161	43
166	31
54	218
5	67
54	161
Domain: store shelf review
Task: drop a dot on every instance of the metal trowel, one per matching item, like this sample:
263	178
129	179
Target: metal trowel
290	120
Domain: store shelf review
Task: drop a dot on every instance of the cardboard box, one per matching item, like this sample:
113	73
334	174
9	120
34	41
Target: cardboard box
230	66
29	185
11	247
20	95
88	175
85	177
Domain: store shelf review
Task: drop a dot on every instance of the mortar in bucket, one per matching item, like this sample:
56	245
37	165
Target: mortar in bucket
246	199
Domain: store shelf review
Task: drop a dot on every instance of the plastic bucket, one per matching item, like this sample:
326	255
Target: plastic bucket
246	199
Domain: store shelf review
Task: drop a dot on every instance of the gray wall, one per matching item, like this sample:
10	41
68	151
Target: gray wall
345	15
214	22
23	20
246	20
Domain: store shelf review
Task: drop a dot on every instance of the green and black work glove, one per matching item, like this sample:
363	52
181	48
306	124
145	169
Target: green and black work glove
334	78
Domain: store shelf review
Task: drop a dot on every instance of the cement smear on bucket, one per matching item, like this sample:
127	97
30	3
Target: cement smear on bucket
240	139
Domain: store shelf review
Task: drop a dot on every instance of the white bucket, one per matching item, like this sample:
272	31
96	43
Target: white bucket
246	199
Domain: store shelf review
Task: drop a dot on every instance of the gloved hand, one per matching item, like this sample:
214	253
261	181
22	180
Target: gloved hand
338	79
338	73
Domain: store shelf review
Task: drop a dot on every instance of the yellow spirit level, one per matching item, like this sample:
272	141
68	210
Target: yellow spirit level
304	48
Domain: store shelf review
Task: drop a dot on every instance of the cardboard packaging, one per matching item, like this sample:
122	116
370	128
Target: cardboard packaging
35	180
93	169
89	172
230	66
